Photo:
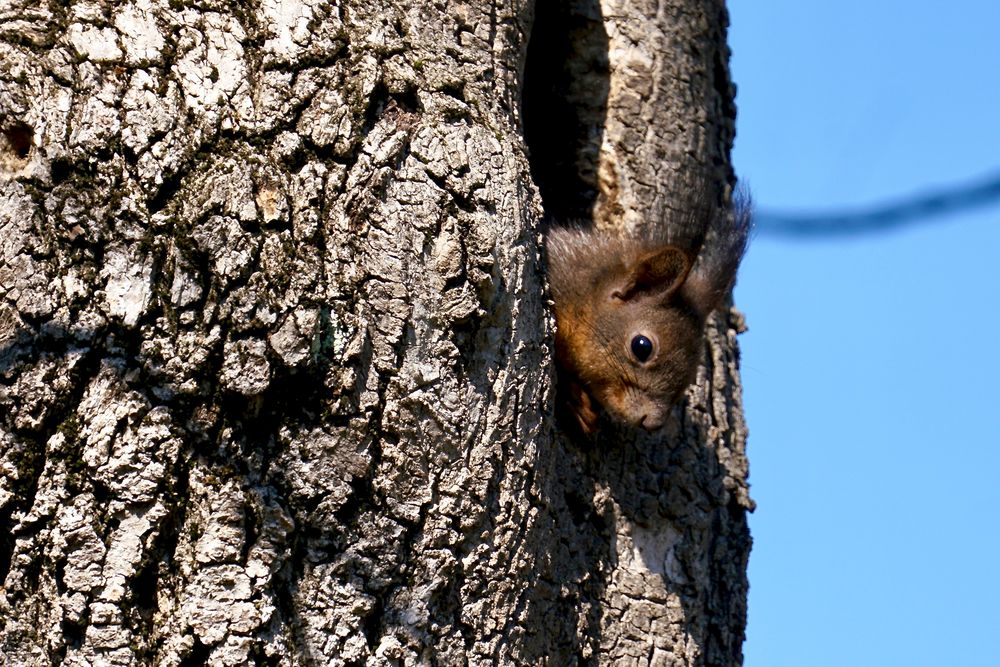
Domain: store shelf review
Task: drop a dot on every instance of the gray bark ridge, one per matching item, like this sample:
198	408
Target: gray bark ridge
275	366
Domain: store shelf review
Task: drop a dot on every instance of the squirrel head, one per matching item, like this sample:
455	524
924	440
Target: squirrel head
635	346
630	315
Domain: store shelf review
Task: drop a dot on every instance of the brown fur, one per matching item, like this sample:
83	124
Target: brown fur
608	289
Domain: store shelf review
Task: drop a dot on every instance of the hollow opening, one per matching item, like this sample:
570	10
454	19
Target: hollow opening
564	105
17	141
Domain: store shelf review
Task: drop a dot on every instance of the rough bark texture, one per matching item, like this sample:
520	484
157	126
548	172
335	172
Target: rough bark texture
275	376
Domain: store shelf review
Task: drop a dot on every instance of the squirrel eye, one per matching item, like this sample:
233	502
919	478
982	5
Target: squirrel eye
642	347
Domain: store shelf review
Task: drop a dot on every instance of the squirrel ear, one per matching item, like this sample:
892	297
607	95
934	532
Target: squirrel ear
657	274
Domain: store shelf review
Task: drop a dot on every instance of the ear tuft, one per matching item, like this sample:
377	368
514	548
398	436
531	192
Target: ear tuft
715	272
657	274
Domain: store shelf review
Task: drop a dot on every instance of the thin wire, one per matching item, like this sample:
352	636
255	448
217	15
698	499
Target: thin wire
918	208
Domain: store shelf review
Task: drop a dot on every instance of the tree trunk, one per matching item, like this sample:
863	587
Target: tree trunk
275	349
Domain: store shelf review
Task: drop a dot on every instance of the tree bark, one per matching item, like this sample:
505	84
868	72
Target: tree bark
275	349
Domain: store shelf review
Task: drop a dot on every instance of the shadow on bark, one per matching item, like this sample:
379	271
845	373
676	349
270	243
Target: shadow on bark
628	518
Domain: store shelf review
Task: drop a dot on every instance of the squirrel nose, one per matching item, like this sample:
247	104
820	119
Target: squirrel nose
650	422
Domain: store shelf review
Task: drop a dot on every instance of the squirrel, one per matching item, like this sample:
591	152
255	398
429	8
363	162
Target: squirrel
630	315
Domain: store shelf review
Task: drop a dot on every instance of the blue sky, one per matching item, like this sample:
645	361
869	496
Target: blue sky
871	368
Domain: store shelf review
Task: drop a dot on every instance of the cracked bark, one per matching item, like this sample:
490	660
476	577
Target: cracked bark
275	370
